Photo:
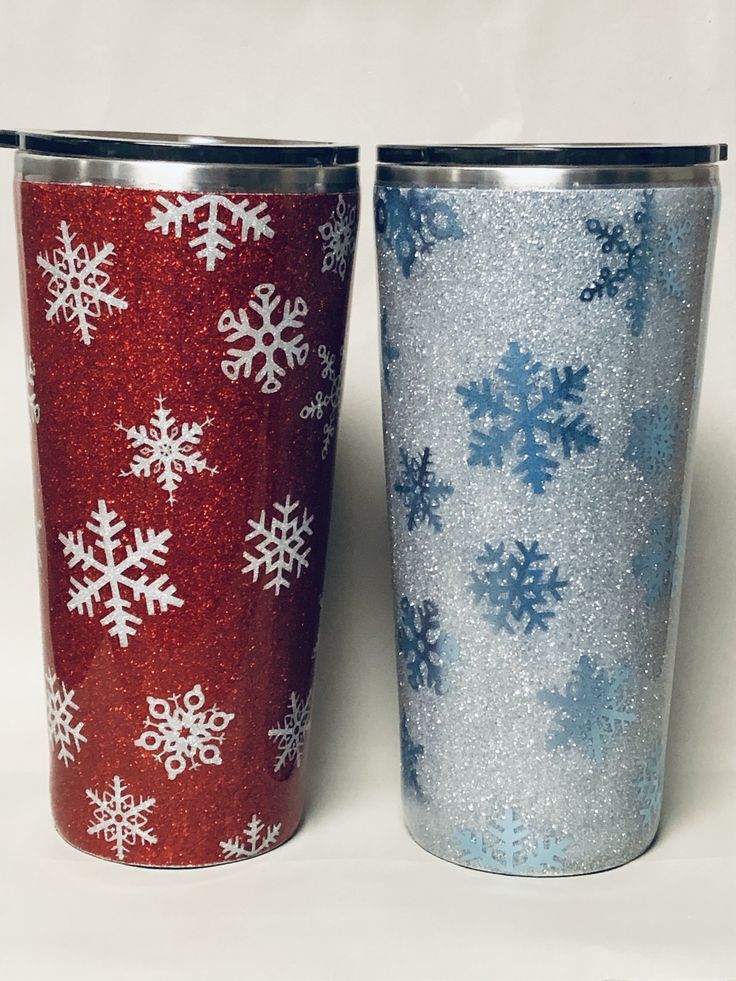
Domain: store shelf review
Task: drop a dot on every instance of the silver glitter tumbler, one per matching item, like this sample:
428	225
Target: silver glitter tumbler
542	314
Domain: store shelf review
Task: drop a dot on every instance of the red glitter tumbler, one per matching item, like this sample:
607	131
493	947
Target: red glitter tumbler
186	304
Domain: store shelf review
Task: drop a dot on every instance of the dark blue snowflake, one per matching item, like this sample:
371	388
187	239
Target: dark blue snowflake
514	587
507	845
654	564
411	753
525	415
412	221
425	647
389	351
421	492
591	710
649	788
654	432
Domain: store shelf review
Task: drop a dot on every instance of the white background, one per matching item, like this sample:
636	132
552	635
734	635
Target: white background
350	896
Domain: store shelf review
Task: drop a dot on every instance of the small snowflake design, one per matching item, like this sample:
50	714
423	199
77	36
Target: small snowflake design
116	575
78	283
325	404
655	562
649	788
507	845
420	490
426	649
338	237
411	753
389	351
521	412
517	587
34	408
165	449
182	733
290	734
65	736
279	544
654	432
412	221
257	838
267	348
211	213
120	819
592	708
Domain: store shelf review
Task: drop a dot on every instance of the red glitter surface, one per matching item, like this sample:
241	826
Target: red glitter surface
247	647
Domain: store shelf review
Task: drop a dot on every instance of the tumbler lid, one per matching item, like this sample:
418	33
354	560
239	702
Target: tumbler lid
550	155
176	148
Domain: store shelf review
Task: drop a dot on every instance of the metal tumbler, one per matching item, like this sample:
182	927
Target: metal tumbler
542	322
186	302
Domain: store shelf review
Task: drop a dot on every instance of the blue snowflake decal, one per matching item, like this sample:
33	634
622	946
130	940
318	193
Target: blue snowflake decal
411	753
412	221
516	588
654	564
654	431
425	647
420	489
649	788
591	710
525	414
644	257
389	351
507	845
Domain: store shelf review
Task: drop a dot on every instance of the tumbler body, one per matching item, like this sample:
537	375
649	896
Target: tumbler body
185	322
542	333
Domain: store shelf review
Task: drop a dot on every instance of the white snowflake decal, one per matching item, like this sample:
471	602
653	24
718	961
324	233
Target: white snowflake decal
338	237
326	403
166	450
267	343
33	407
291	733
254	840
60	708
116	573
78	283
120	819
212	245
184	734
281	548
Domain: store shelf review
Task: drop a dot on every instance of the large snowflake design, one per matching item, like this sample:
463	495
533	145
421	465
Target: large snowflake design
507	845
166	450
412	222
654	432
645	257
120	819
338	237
60	709
426	648
291	732
389	351
654	564
207	211
592	709
257	838
34	408
280	546
116	575
649	788
411	753
420	490
326	403
521	413
78	283
517	587
182	733
268	344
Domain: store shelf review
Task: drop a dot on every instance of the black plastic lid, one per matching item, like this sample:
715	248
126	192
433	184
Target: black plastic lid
548	155
185	149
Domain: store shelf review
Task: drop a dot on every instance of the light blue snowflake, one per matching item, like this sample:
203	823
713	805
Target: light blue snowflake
507	845
426	648
654	432
518	407
412	221
655	562
514	588
591	710
644	262
389	351
411	753
420	490
649	788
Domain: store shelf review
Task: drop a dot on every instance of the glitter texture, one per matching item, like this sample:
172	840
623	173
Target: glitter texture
537	759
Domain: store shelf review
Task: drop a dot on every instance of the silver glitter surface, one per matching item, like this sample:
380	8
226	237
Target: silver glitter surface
498	775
